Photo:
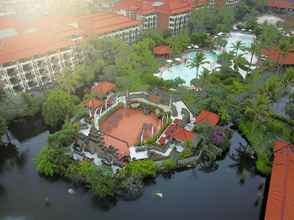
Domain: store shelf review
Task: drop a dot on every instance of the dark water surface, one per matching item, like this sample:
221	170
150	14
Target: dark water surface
192	194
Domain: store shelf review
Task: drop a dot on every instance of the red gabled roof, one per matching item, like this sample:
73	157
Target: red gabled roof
175	6
103	87
50	33
162	50
94	103
284	4
144	7
174	131
281	192
276	56
209	117
138	6
181	134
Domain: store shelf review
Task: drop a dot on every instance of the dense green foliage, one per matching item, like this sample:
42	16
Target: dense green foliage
65	136
58	106
142	169
52	161
2	127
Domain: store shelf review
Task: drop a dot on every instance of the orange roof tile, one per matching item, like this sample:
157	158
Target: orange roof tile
182	134
121	146
162	50
94	103
206	116
138	6
103	87
276	56
281	192
287	4
50	33
175	6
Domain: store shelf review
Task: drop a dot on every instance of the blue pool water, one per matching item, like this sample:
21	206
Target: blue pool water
187	74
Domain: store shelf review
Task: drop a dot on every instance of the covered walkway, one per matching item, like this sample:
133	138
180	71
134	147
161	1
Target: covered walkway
280	203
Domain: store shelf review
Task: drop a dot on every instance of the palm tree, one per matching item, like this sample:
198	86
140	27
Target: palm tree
252	51
284	48
239	62
197	61
237	46
221	43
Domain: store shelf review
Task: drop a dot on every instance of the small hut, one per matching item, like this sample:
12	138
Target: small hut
162	51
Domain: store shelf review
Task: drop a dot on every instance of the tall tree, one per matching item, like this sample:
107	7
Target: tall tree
57	107
237	47
197	61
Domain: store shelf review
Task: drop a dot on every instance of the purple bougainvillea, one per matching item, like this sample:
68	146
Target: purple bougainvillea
217	137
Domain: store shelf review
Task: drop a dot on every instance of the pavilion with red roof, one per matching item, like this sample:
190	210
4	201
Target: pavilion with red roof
103	88
276	56
207	117
162	51
281	192
94	103
177	133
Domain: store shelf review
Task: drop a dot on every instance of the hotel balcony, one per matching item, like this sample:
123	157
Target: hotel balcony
27	67
29	76
18	88
32	84
12	72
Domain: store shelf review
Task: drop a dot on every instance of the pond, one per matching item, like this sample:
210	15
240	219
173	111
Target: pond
202	194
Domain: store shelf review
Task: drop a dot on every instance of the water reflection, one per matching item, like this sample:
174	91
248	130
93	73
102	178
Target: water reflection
10	157
104	204
2	190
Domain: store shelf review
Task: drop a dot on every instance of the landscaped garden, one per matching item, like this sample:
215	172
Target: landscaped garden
162	141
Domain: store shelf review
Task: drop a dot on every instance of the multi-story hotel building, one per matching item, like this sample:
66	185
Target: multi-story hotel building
166	15
32	53
163	15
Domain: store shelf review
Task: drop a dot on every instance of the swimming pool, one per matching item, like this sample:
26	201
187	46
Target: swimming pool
187	74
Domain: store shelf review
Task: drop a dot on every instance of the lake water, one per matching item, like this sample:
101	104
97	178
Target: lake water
191	194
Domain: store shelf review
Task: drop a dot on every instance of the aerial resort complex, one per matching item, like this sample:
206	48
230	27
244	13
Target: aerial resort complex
147	109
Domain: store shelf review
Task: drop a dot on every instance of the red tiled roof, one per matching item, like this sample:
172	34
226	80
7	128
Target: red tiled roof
162	50
181	134
49	33
285	4
281	192
206	116
94	103
175	6
174	131
121	146
103	87
138	6
276	56
144	7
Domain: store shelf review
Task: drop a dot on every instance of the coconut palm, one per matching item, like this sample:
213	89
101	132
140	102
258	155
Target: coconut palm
197	61
252	51
284	48
237	47
239	62
221	42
